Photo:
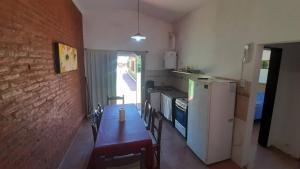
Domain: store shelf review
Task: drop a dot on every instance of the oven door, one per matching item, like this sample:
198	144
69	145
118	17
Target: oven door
180	119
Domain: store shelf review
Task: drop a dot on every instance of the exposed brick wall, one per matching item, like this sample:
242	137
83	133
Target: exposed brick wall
40	110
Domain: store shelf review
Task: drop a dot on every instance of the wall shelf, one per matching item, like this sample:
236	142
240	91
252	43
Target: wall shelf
181	72
196	75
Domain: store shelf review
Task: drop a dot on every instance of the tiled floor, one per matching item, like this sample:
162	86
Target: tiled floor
274	159
174	154
271	158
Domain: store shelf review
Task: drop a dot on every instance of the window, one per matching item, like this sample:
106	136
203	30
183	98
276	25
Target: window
264	70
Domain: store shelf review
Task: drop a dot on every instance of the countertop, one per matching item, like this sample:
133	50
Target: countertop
168	91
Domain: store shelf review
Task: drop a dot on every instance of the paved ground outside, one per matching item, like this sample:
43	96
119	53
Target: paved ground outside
127	86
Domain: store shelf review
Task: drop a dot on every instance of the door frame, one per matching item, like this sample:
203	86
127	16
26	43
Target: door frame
142	54
270	95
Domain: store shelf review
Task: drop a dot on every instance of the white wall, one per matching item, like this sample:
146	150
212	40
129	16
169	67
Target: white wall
212	39
284	132
111	30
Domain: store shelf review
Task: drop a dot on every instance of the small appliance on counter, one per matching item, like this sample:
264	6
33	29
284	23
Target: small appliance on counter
181	115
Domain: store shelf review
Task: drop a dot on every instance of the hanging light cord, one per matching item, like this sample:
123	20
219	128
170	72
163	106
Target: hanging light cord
138	16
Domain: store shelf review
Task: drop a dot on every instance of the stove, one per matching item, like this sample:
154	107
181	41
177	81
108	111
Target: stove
181	114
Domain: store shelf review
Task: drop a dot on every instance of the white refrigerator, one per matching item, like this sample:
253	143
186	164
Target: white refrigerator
210	118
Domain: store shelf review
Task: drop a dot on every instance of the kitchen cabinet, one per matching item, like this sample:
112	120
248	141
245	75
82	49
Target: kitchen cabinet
166	106
155	100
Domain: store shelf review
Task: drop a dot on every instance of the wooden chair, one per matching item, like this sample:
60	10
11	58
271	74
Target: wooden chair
95	119
95	132
123	161
99	112
100	108
147	115
143	112
155	133
115	98
146	109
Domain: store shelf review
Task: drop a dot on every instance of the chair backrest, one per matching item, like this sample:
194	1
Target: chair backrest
147	116
115	98
156	126
100	108
146	108
95	118
99	112
123	160
95	131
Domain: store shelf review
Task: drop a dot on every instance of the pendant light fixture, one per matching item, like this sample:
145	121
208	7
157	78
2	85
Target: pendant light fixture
138	36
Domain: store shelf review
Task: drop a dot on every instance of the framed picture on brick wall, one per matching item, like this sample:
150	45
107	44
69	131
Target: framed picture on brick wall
66	58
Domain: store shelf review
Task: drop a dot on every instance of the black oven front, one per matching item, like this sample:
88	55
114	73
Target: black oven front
181	117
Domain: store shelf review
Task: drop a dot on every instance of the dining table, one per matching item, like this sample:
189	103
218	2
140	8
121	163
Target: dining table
117	137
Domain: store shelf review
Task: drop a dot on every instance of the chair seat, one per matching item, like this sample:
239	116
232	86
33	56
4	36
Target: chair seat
130	161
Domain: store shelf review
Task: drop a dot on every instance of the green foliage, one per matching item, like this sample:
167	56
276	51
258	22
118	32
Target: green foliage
139	64
265	64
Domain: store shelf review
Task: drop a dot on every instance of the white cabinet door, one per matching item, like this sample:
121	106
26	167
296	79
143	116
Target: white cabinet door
166	106
155	100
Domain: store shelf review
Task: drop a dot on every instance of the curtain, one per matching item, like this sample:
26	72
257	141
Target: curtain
100	71
143	71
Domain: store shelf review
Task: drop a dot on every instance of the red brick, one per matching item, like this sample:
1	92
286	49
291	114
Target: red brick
40	110
39	102
20	68
31	87
10	77
4	69
2	53
4	86
25	60
11	93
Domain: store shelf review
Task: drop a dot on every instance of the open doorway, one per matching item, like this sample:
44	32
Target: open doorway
129	77
260	94
276	107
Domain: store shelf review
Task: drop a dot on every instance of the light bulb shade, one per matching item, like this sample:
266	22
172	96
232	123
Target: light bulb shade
138	37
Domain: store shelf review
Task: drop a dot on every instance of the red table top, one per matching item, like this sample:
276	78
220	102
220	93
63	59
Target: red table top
114	134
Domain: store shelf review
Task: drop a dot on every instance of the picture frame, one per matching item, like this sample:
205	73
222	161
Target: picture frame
66	58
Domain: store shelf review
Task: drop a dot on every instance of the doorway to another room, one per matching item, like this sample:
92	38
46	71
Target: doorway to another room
276	108
129	78
260	94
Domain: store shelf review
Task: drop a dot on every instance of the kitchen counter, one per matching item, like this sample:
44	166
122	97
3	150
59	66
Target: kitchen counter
175	93
168	91
163	98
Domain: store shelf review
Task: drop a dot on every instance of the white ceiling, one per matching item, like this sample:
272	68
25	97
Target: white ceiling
168	10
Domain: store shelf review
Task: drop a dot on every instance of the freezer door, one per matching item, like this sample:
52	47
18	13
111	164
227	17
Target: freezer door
197	137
